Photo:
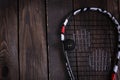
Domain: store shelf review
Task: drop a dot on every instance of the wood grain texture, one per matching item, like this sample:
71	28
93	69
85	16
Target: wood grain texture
56	11
113	7
8	40
32	36
32	40
89	3
119	9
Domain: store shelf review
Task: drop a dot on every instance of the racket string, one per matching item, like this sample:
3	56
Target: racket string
91	58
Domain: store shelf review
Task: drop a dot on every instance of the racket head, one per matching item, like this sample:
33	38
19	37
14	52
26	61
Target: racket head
95	35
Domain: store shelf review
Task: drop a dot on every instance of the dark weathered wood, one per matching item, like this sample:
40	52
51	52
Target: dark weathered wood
8	40
32	36
113	7
119	9
32	40
89	3
56	11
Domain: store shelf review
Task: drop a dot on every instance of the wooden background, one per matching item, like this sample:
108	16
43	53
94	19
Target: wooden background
30	47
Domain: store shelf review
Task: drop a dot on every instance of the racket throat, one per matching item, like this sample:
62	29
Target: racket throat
70	72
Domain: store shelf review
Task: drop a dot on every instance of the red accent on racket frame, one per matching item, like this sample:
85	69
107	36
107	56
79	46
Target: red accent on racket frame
63	29
113	76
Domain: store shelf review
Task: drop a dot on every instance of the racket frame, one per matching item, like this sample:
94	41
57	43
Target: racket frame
117	25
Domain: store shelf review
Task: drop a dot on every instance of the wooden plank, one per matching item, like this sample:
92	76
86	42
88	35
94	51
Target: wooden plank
118	17
89	3
119	8
56	11
32	40
8	40
113	7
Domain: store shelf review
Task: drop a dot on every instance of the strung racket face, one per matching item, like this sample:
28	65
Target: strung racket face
95	38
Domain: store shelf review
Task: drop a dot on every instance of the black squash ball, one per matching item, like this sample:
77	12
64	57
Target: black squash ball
69	44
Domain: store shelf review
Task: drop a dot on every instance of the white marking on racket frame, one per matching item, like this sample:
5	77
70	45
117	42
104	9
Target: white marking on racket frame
118	56
104	11
62	37
100	9
116	22
66	21
66	64
118	45
115	68
113	18
93	9
85	9
109	14
118	28
77	11
119	36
